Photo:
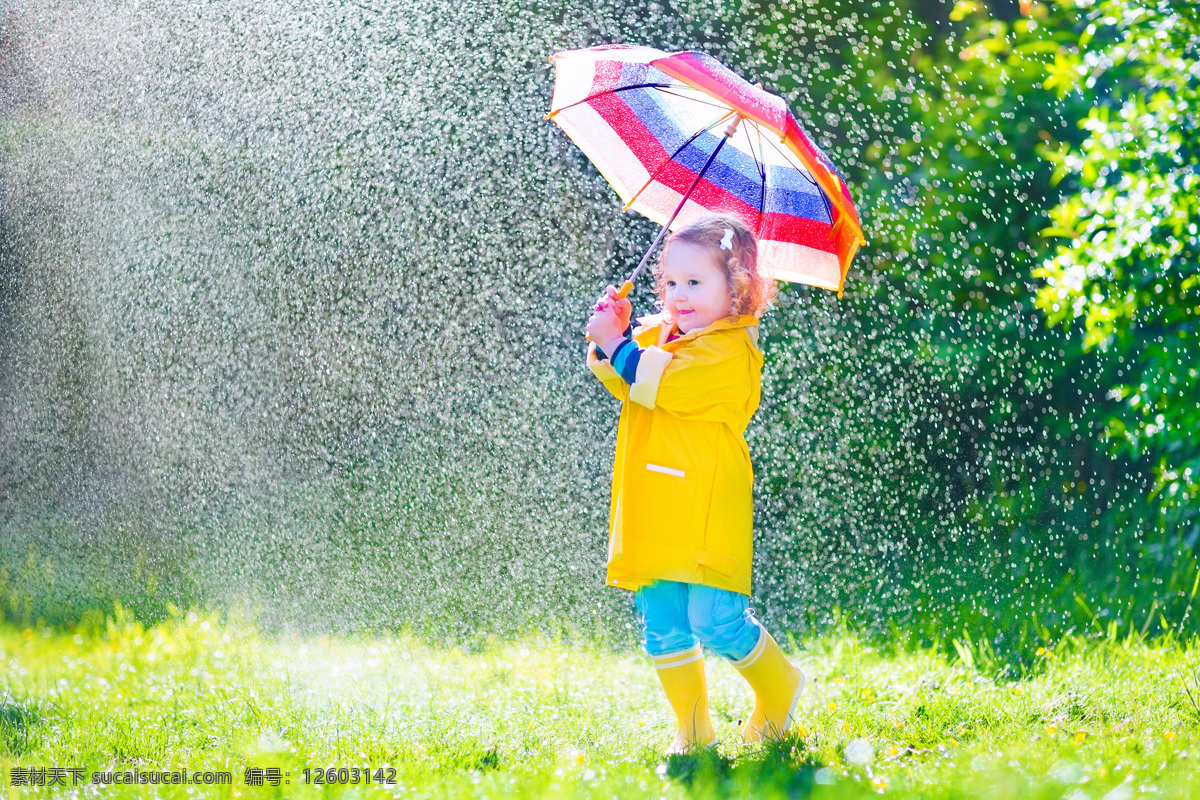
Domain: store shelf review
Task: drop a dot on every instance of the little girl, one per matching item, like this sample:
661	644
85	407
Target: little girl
680	518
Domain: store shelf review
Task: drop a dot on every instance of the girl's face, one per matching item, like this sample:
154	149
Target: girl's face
696	291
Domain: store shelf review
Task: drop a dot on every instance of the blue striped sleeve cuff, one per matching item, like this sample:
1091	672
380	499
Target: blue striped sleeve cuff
625	360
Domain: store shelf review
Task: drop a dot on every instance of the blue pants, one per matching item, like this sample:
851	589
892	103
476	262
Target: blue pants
675	614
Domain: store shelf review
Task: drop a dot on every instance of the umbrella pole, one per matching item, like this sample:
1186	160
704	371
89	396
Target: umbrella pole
627	287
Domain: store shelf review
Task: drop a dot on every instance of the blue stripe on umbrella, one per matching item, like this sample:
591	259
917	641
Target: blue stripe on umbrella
796	204
788	191
737	173
633	74
732	172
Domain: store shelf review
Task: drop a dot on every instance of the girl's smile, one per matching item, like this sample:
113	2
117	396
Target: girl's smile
696	292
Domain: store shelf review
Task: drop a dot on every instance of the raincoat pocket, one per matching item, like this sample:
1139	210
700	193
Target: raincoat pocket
721	563
667	502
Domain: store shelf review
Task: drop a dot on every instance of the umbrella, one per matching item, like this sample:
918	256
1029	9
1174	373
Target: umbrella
679	135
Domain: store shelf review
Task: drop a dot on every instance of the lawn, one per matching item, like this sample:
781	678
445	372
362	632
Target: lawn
1111	715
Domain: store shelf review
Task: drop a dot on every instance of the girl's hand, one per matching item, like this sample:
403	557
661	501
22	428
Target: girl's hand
622	306
606	329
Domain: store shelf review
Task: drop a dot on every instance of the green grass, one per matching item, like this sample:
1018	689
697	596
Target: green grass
1112	716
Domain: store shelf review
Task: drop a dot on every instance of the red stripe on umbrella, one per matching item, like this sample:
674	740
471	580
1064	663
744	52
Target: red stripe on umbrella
650	152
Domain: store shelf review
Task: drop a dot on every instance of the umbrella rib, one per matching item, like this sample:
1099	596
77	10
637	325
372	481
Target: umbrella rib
762	174
804	172
758	162
799	168
589	98
678	150
662	90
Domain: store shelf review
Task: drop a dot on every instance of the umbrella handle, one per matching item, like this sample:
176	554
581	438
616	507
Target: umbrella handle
625	288
622	293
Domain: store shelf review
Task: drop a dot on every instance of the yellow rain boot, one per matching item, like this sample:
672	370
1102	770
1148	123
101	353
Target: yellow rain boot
682	677
777	684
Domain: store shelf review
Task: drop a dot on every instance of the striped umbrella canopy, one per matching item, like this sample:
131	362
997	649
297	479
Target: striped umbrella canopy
679	135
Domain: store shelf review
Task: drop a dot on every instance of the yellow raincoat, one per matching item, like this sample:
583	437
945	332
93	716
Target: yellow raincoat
681	507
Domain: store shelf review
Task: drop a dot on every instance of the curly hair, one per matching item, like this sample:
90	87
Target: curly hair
750	291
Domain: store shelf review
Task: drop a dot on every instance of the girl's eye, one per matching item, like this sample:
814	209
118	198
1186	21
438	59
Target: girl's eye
693	282
670	283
